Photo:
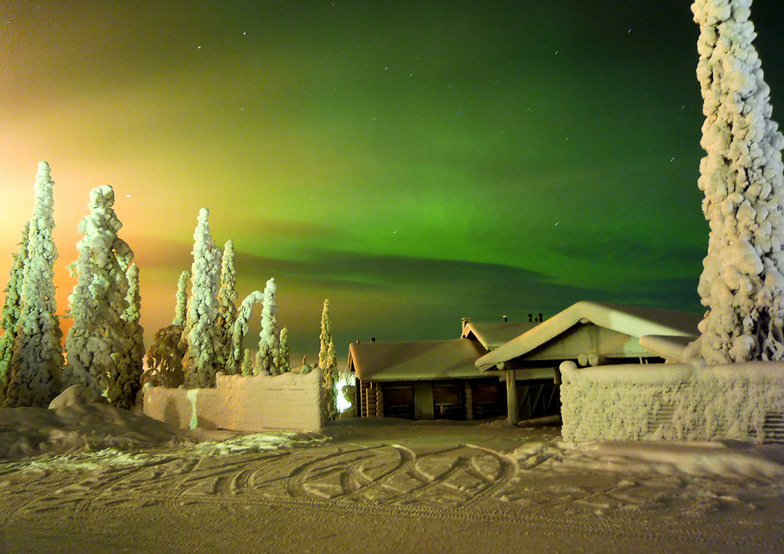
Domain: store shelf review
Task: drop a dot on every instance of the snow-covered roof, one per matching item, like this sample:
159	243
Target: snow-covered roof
416	361
671	348
634	321
493	334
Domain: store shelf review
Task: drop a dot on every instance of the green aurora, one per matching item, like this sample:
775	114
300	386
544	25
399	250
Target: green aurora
414	161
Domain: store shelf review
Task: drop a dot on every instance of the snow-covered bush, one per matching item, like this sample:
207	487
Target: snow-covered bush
9	320
742	283
201	331
38	355
164	358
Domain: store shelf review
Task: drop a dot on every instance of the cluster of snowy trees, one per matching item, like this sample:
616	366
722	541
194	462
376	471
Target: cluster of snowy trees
104	346
208	330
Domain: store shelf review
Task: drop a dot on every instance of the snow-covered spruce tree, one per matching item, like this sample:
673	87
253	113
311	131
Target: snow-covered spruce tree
247	365
130	382
741	284
284	358
201	333
103	347
240	331
11	310
327	363
227	310
267	355
325	336
37	361
332	359
181	308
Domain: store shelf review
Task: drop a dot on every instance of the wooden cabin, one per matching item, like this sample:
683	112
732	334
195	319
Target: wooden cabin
508	368
425	380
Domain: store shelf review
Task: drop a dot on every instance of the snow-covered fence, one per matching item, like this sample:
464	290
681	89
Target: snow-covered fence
743	401
290	401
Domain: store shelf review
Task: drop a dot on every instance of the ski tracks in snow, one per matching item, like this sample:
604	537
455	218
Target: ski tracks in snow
463	482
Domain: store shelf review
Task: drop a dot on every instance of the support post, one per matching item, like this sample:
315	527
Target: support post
511	397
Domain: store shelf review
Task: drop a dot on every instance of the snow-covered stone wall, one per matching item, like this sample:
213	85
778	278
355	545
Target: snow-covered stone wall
742	401
290	401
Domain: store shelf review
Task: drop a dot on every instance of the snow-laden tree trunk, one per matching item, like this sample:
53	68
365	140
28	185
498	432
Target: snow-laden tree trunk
103	343
201	332
742	178
267	355
37	361
181	308
240	331
227	310
12	310
284	358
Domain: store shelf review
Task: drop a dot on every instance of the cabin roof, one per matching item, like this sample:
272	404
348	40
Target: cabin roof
416	361
635	321
493	334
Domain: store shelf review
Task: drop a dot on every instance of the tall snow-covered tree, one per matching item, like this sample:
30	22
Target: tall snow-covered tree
11	310
325	337
181	309
742	283
227	310
327	363
240	331
103	347
284	357
201	361
267	355
37	361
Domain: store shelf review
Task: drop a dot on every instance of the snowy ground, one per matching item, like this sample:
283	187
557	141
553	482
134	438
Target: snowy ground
95	479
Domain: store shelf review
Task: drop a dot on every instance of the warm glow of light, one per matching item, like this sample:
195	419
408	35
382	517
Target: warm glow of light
343	403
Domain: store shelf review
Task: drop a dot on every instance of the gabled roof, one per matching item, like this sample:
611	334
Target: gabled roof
493	334
635	321
416	361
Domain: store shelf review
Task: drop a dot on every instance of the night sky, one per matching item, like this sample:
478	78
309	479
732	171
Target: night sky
413	161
